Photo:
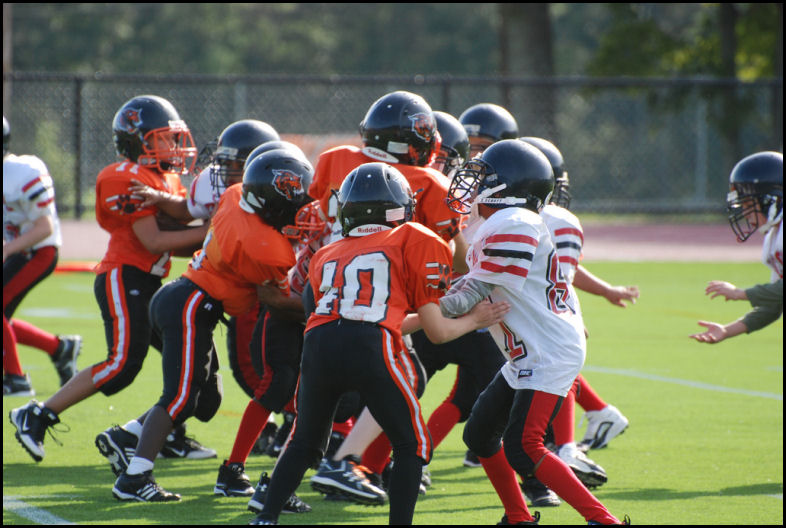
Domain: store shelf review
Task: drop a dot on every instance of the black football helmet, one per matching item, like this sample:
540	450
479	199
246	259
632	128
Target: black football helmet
561	195
233	147
489	121
510	173
755	186
374	195
275	145
148	131
454	150
274	187
402	125
6	135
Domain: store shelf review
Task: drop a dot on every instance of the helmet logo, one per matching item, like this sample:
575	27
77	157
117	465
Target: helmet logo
288	184
423	125
133	117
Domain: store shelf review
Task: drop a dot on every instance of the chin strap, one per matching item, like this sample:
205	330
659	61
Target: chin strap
774	216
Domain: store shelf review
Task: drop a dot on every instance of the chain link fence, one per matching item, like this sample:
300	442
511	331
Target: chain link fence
630	145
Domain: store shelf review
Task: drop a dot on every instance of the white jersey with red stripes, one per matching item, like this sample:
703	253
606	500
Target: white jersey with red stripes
567	235
543	334
772	251
28	194
203	197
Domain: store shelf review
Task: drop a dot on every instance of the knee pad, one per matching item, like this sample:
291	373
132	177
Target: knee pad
279	391
482	443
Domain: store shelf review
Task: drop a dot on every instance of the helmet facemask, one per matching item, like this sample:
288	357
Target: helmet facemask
747	207
170	149
561	196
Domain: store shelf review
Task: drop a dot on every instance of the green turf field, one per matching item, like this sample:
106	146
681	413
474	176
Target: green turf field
705	444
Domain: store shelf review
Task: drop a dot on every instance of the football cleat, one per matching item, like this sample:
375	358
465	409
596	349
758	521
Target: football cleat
602	427
64	358
266	439
471	459
587	471
506	522
538	494
345	478
178	445
257	502
282	434
31	422
232	481
118	446
141	488
15	385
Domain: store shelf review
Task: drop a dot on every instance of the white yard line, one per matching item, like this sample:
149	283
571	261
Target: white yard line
687	383
31	513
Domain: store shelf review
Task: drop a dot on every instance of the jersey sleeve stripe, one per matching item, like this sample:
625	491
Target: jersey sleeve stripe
569	231
496	268
523	239
507	253
30	184
573	262
571	245
45	203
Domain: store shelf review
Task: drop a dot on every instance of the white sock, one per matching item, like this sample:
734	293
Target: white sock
134	427
139	465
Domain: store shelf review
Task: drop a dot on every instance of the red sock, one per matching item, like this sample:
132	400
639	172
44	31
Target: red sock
442	421
503	478
254	420
564	424
343	427
11	363
555	474
377	455
33	336
588	398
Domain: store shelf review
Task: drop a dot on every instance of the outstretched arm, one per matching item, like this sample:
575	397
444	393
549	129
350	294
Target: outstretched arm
616	295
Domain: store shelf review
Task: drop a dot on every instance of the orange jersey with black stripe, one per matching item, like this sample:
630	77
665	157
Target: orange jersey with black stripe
240	252
429	186
379	277
117	210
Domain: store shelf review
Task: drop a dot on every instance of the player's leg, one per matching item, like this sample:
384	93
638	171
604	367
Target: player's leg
483	435
322	381
523	440
604	421
563	425
184	317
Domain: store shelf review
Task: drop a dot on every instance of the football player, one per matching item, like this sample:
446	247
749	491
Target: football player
157	148
605	421
245	259
512	259
399	128
31	241
364	285
754	203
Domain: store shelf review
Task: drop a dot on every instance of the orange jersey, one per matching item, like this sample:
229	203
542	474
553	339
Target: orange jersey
240	252
429	186
117	210
380	277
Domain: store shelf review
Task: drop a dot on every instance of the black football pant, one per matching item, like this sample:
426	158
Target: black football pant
344	356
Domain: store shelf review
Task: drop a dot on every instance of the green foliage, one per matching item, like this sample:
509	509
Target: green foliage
702	448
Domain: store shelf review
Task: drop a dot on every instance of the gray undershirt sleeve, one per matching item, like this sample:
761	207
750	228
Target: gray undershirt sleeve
463	295
767	302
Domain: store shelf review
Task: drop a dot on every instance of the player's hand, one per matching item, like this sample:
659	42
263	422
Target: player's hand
619	295
149	195
715	333
488	314
725	289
